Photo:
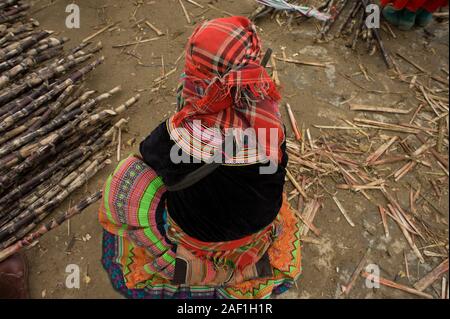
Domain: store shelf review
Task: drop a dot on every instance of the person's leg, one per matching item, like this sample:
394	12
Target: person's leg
407	19
402	13
424	18
425	13
392	15
14	278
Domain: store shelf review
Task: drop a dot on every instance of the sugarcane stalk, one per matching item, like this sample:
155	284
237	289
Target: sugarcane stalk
6	65
73	78
104	115
80	53
376	32
52	109
37	152
19	37
56	173
17	131
51	43
7	3
39	170
54	223
12	17
326	22
79	47
13	10
11	33
26	65
14	106
76	167
77	102
35	79
58	179
20	46
358	30
261	12
349	17
329	23
37	215
354	18
21	190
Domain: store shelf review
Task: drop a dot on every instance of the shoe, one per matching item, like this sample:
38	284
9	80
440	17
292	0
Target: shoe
407	20
14	278
423	18
392	15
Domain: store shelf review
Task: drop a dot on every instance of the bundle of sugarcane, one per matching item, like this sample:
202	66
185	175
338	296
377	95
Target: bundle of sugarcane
54	133
345	18
291	9
282	5
52	224
352	17
11	10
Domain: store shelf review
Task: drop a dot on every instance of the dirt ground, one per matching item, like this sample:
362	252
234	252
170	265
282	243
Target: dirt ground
315	95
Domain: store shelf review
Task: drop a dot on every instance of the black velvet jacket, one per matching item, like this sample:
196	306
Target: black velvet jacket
231	203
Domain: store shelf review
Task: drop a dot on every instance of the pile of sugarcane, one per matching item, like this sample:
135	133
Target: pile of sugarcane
54	133
352	16
292	10
345	18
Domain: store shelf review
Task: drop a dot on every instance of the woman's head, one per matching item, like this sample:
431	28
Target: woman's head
225	87
221	45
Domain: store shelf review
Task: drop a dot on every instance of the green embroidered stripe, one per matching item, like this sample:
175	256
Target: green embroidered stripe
144	207
106	199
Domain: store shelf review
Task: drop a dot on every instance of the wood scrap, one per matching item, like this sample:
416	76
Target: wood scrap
388	283
431	277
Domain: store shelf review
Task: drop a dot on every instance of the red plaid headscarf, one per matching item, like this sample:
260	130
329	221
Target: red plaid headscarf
224	85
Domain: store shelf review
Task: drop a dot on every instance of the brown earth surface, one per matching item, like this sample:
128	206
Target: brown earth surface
315	95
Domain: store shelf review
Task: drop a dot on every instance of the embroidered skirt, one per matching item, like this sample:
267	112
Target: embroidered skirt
147	255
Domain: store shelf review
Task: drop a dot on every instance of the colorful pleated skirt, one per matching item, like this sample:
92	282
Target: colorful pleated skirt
148	256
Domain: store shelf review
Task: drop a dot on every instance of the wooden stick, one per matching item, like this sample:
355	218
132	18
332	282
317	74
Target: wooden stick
311	143
368	108
310	240
307	223
151	26
434	275
395	285
52	224
134	43
119	144
440	139
293	121
296	184
343	211
384	220
186	13
345	128
196	4
357	272
409	238
89	38
421	69
316	64
443	288
406	266
275	76
387	126
438	157
381	150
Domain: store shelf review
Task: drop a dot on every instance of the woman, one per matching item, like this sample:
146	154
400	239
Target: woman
404	14
229	233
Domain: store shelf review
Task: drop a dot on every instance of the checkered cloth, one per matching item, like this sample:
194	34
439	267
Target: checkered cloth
414	5
225	86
